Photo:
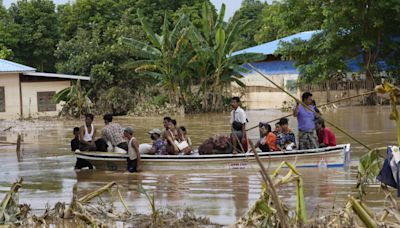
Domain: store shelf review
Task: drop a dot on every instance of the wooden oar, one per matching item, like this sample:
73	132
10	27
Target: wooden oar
308	108
319	106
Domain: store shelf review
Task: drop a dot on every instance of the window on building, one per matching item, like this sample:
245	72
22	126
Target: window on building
45	102
2	100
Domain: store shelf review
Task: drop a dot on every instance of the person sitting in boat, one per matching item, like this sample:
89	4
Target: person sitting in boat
133	160
170	136
80	163
238	122
87	134
325	135
113	133
166	121
184	142
286	140
158	147
278	129
305	118
268	140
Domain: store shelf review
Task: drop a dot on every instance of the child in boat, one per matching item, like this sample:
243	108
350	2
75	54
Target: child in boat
133	160
80	163
286	140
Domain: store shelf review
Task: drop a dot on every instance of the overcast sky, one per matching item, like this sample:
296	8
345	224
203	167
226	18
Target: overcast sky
231	5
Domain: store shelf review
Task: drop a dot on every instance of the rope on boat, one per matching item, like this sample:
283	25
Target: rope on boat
308	108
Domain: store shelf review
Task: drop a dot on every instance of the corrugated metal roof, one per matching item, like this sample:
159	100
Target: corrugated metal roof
51	75
8	66
270	47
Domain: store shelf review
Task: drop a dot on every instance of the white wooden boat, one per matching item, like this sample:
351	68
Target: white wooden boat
336	156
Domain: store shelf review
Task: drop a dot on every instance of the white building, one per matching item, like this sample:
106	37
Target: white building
27	93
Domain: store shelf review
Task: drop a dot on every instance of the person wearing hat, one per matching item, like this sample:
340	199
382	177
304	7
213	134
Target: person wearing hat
286	140
133	151
158	147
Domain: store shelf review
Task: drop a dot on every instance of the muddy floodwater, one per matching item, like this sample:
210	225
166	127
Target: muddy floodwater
49	177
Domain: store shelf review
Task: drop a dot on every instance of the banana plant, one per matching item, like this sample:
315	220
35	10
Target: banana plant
76	99
214	44
163	57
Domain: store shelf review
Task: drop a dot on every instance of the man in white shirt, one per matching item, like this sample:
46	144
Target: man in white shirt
238	122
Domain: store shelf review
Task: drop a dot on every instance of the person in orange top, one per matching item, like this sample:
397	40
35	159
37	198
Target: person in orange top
268	140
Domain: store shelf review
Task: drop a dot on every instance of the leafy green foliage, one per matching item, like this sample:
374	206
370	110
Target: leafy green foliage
363	30
284	18
35	29
250	11
368	169
75	98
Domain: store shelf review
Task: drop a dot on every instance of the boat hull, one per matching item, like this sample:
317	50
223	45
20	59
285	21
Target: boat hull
331	157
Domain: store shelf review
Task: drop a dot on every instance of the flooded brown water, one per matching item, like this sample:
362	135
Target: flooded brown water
49	177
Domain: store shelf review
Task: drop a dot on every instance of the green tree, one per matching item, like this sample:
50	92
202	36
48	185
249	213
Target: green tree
365	31
250	10
36	33
287	17
6	33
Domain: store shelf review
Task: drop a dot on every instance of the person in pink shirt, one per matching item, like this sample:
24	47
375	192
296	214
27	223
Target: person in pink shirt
325	135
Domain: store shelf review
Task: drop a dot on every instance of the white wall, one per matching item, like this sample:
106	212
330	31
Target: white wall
29	96
10	82
262	94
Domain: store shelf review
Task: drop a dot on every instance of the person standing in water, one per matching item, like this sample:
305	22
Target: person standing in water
133	160
75	144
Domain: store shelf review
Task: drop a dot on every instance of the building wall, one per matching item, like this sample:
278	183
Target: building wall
262	94
29	96
10	82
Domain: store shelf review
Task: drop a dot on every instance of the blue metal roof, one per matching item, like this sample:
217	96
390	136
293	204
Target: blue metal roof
272	67
8	66
270	47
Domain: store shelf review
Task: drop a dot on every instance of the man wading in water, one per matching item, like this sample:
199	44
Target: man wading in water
305	118
238	122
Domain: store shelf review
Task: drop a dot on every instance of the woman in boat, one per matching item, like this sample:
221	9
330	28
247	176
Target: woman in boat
171	135
133	160
87	135
184	141
325	135
268	141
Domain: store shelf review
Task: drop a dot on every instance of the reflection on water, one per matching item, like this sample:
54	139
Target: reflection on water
223	196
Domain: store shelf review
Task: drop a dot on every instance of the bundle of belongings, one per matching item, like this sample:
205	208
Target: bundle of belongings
390	172
216	145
